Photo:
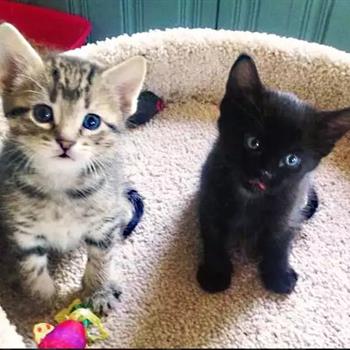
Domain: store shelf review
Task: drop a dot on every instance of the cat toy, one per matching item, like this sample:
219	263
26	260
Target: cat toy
149	104
77	326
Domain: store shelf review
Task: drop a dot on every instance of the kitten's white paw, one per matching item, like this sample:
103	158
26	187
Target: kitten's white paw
43	287
105	299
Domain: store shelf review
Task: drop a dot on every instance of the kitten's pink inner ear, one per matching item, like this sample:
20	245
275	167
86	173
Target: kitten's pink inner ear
16	54
126	80
14	47
127	96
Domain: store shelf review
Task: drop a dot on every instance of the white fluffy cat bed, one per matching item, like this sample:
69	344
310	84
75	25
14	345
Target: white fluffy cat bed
162	306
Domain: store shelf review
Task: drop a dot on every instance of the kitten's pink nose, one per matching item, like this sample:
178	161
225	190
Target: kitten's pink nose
65	144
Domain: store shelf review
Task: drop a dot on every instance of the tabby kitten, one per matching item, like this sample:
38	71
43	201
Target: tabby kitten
256	179
62	182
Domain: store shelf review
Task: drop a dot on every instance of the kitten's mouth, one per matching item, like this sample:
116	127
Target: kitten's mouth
257	185
64	156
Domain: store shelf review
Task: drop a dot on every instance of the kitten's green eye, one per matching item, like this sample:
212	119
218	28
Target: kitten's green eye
252	142
43	113
292	160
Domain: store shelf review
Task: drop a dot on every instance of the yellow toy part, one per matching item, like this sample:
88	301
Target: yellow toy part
79	312
64	313
40	330
84	315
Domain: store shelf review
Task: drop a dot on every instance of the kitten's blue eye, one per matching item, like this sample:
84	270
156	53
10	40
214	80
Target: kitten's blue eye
252	142
43	113
92	121
292	160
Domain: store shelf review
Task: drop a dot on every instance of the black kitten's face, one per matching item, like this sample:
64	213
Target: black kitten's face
271	138
270	147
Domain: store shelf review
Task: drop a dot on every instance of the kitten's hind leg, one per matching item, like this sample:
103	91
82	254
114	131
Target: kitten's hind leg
215	273
34	273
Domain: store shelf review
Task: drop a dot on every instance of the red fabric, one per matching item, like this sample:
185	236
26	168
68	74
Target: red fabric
47	27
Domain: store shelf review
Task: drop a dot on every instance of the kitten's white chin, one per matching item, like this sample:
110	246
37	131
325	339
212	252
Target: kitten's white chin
59	173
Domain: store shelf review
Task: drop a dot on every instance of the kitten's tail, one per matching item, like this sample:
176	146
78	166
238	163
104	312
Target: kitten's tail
149	104
138	209
312	204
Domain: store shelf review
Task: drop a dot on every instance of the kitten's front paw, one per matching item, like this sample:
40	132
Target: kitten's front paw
43	289
105	299
279	281
214	280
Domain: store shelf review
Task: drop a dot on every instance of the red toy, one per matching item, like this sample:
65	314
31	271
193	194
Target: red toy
46	27
77	327
67	335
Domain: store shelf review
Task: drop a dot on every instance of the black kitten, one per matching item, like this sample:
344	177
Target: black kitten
255	182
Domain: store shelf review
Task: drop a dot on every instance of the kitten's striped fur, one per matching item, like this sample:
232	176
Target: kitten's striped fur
53	203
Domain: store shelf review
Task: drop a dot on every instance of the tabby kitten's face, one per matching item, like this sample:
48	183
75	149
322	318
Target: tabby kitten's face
65	113
273	139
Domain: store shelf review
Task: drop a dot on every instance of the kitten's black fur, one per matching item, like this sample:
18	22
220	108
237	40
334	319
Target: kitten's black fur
253	188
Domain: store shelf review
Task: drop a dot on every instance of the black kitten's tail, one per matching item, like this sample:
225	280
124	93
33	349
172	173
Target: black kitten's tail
312	204
149	104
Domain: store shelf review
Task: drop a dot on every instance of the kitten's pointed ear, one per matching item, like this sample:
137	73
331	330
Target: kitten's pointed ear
16	52
331	126
243	78
126	80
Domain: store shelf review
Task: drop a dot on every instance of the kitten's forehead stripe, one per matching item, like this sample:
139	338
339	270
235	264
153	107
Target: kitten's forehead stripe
73	80
91	74
56	75
89	79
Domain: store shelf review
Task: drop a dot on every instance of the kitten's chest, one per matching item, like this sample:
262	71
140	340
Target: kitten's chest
258	216
63	230
247	219
63	227
247	227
